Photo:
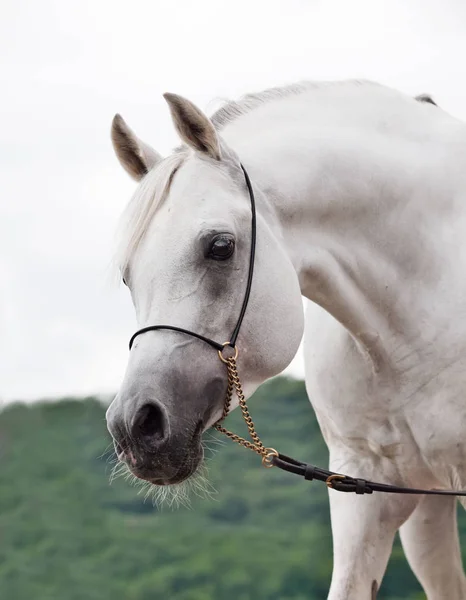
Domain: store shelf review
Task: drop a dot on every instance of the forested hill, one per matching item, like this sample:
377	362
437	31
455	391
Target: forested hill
66	534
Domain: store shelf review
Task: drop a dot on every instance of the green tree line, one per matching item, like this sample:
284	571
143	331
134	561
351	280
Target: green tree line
66	534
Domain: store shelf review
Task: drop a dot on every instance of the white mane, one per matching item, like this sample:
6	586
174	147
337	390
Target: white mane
234	109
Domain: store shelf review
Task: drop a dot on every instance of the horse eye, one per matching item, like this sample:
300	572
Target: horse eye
124	281
222	247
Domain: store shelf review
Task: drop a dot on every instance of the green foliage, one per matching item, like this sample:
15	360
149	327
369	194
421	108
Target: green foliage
67	535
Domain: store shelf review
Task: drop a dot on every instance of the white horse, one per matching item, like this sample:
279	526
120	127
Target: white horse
361	208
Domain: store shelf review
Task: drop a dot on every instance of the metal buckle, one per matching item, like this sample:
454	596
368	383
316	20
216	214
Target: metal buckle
331	478
267	459
220	353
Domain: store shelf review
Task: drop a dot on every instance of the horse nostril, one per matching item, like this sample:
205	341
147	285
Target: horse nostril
150	423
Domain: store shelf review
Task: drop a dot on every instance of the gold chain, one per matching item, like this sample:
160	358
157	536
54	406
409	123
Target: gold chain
234	383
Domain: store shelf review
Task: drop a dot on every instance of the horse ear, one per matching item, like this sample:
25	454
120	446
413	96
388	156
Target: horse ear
136	157
194	128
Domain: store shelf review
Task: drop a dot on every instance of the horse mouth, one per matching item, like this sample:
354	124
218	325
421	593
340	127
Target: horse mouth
164	473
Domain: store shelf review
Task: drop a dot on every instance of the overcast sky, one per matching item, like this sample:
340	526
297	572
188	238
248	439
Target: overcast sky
67	67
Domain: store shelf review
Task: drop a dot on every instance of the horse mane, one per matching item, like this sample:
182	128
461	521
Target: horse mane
234	109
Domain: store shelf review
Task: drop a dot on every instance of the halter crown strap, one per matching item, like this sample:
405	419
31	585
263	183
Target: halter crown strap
252	253
234	335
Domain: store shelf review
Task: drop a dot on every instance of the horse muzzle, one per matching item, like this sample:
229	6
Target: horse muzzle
150	447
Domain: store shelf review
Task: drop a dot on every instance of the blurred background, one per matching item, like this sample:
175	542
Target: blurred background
66	68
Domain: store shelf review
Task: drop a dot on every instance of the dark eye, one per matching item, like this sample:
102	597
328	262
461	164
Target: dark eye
222	247
124	281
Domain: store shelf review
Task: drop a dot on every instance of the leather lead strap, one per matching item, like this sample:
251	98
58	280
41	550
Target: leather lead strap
345	483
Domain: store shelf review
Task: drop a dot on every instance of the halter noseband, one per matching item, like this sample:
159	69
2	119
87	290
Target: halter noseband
234	335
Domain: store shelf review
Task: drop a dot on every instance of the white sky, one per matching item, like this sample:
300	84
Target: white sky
66	68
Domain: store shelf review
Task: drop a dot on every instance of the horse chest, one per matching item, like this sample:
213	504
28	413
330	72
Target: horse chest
413	418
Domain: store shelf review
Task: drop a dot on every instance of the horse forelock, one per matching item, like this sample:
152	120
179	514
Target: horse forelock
141	209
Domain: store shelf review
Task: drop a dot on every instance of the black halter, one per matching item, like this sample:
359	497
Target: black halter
234	335
336	481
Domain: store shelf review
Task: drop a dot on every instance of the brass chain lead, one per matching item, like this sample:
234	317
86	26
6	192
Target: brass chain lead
234	383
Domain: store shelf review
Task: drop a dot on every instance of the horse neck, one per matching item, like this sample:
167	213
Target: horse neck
356	208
